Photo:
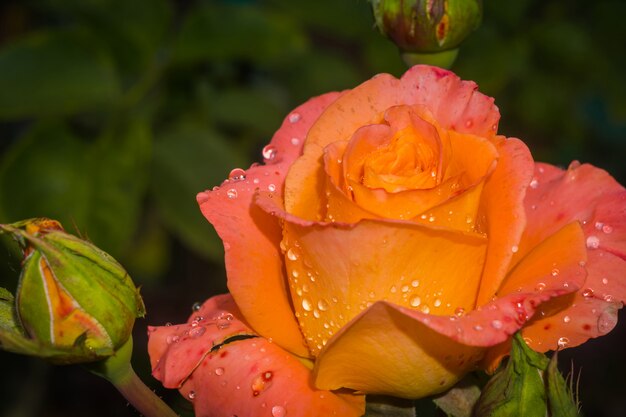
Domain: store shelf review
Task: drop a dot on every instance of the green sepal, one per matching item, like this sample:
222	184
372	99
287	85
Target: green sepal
561	399
518	388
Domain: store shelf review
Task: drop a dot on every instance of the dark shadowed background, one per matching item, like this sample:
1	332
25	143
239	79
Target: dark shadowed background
115	113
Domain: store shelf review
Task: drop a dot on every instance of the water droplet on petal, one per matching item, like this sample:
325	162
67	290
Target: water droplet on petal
593	242
405	288
294	117
555	272
478	327
599	225
306	304
606	321
172	339
278	411
271	188
566	319
219	371
232	193
540	287
191	395
607	229
534	184
415	283
514	248
269	152
437	303
197	332
393	289
496	324
587	293
322	305
291	255
416	301
295	141
237	174
605	281
196	306
459	311
562	342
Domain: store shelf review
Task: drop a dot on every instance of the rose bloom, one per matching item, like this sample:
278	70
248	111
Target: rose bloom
390	243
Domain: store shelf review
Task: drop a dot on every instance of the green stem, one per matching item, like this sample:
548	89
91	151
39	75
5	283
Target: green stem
118	370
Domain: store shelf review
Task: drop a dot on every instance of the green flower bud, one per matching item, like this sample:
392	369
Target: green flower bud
74	302
427	31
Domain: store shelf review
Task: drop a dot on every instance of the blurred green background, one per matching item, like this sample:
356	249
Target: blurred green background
115	113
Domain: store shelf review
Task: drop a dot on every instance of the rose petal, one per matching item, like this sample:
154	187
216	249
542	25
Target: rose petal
175	351
584	193
503	210
251	237
455	104
242	377
337	270
257	378
433	352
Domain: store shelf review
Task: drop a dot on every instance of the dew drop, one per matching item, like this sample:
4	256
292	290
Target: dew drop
555	272
425	309
316	313
294	117
587	293
271	188
172	339
534	183
416	301
607	229
437	303
219	371
593	242
514	248
606	322
496	324
278	411
393	289
197	332
562	342
232	193
196	306
256	181
415	283
567	319
322	305
599	225
291	255
191	395
269	152
295	141
478	327
295	273
540	287
405	288
237	174
605	281
459	311
306	304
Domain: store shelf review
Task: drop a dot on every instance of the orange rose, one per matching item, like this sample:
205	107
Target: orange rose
394	240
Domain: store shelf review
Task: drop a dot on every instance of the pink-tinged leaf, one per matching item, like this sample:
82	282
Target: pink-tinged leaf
254	263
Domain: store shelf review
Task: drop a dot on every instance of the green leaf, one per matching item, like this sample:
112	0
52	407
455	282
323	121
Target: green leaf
55	73
187	160
119	162
229	32
518	388
44	175
98	187
561	400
